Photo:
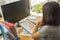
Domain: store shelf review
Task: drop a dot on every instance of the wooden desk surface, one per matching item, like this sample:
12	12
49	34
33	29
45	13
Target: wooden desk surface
22	37
26	38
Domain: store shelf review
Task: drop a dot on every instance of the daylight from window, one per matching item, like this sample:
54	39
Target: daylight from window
36	7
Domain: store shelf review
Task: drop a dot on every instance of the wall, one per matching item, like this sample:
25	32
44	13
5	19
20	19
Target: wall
1	3
9	1
59	1
53	0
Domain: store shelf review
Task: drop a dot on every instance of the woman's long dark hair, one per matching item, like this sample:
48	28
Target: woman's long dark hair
51	14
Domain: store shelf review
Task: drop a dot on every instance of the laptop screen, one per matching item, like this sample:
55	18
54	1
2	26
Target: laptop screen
13	12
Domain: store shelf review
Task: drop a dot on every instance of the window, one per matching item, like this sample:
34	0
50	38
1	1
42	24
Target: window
36	6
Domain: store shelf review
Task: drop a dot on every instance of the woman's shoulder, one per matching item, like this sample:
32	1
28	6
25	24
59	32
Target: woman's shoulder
51	26
48	27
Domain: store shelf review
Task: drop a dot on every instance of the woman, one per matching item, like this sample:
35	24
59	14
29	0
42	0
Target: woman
50	22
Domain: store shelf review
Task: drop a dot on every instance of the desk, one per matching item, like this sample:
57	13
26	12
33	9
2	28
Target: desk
19	30
22	37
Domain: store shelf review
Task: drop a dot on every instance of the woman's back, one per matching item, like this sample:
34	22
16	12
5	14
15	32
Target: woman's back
53	33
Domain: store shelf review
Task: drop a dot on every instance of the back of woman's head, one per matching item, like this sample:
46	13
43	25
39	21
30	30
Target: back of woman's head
51	13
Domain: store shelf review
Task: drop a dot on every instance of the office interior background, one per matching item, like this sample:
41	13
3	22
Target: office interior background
32	4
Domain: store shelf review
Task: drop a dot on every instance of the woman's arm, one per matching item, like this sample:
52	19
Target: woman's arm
35	33
38	24
43	32
35	29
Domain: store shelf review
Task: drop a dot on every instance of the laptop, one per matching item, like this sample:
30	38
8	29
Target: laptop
15	11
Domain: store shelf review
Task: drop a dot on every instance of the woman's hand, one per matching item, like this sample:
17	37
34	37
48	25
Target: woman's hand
35	33
38	24
36	36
